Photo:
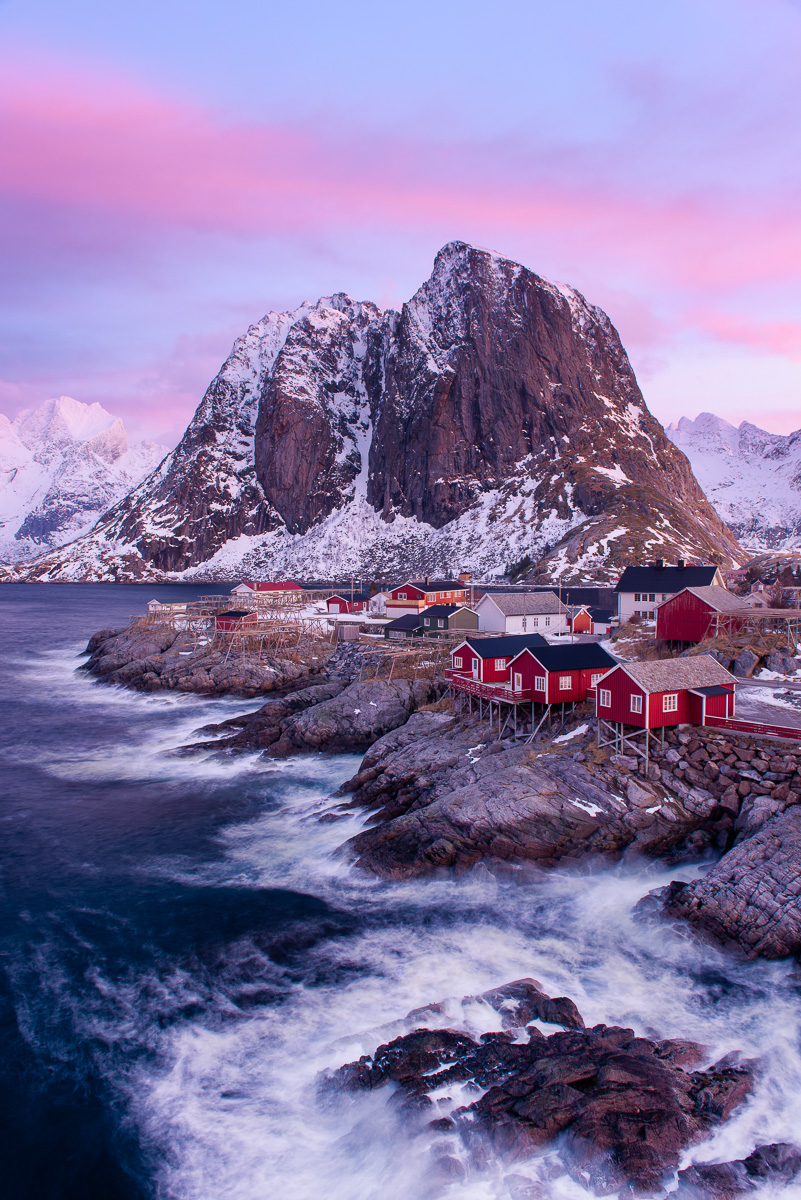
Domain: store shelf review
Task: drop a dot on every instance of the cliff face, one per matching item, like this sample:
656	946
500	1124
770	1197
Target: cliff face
495	418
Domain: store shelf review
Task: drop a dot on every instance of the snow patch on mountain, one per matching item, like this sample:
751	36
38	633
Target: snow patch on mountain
753	478
61	466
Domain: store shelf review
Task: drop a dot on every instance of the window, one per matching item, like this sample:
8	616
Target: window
524	624
547	620
636	704
396	633
500	663
539	683
441	624
427	621
401	595
457	662
651	597
565	682
670	703
637	597
605	699
536	621
594	679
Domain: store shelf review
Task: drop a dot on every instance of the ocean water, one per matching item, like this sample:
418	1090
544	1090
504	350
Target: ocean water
183	950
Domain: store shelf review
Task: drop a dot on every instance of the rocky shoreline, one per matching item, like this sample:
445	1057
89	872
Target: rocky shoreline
442	797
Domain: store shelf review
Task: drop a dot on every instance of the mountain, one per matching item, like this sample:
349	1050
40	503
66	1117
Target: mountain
61	466
753	478
494	420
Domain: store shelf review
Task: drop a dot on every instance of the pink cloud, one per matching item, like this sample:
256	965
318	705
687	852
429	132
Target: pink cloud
782	338
108	156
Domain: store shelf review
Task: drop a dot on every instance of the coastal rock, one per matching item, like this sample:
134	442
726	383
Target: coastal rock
443	799
751	897
355	717
623	1106
153	658
772	1166
256	731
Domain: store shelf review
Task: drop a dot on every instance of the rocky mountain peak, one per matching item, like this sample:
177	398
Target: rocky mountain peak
495	418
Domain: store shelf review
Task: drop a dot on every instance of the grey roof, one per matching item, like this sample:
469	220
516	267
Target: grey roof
720	598
528	604
676	674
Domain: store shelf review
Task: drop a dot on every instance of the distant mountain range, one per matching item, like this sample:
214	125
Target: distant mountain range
61	466
753	478
495	421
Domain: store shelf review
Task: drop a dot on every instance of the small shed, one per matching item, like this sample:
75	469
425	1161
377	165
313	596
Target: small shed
693	614
235	618
579	619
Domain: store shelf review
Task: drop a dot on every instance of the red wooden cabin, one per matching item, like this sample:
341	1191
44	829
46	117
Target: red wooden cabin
560	674
695	612
234	619
580	620
348	602
486	660
670	691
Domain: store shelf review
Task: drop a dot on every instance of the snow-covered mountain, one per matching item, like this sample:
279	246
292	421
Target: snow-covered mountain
495	419
753	478
61	466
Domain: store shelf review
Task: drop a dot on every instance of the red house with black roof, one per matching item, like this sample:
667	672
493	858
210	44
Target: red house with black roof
348	602
486	660
560	674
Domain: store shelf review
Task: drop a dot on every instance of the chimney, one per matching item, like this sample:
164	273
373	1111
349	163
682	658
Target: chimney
680	563
660	564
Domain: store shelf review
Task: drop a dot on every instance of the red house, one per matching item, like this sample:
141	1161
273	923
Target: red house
234	619
579	619
559	674
348	602
697	612
486	660
415	595
670	691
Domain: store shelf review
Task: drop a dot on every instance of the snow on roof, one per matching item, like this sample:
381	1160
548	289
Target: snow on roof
528	604
676	674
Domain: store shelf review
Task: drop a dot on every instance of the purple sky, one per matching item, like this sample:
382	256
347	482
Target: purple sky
171	172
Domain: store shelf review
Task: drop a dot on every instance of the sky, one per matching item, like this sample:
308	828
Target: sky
169	172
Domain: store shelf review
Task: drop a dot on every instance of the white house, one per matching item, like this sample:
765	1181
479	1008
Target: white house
243	589
640	589
528	612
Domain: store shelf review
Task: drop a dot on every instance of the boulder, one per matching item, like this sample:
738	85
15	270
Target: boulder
356	717
745	664
624	1107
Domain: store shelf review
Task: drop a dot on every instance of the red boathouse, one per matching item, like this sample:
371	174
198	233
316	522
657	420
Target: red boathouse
235	619
695	613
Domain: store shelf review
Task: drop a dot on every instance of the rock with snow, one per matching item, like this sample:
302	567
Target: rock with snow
753	478
61	466
495	418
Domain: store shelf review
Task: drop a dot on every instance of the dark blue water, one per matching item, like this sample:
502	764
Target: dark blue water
182	950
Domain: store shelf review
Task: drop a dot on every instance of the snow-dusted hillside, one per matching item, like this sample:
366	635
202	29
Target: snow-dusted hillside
753	478
61	466
494	420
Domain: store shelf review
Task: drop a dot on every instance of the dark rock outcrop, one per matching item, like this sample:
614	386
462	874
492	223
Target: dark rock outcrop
773	1166
493	403
623	1106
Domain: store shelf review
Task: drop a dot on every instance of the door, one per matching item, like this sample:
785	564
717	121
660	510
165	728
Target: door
518	683
475	668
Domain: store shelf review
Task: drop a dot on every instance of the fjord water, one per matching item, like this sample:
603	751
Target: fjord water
182	951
